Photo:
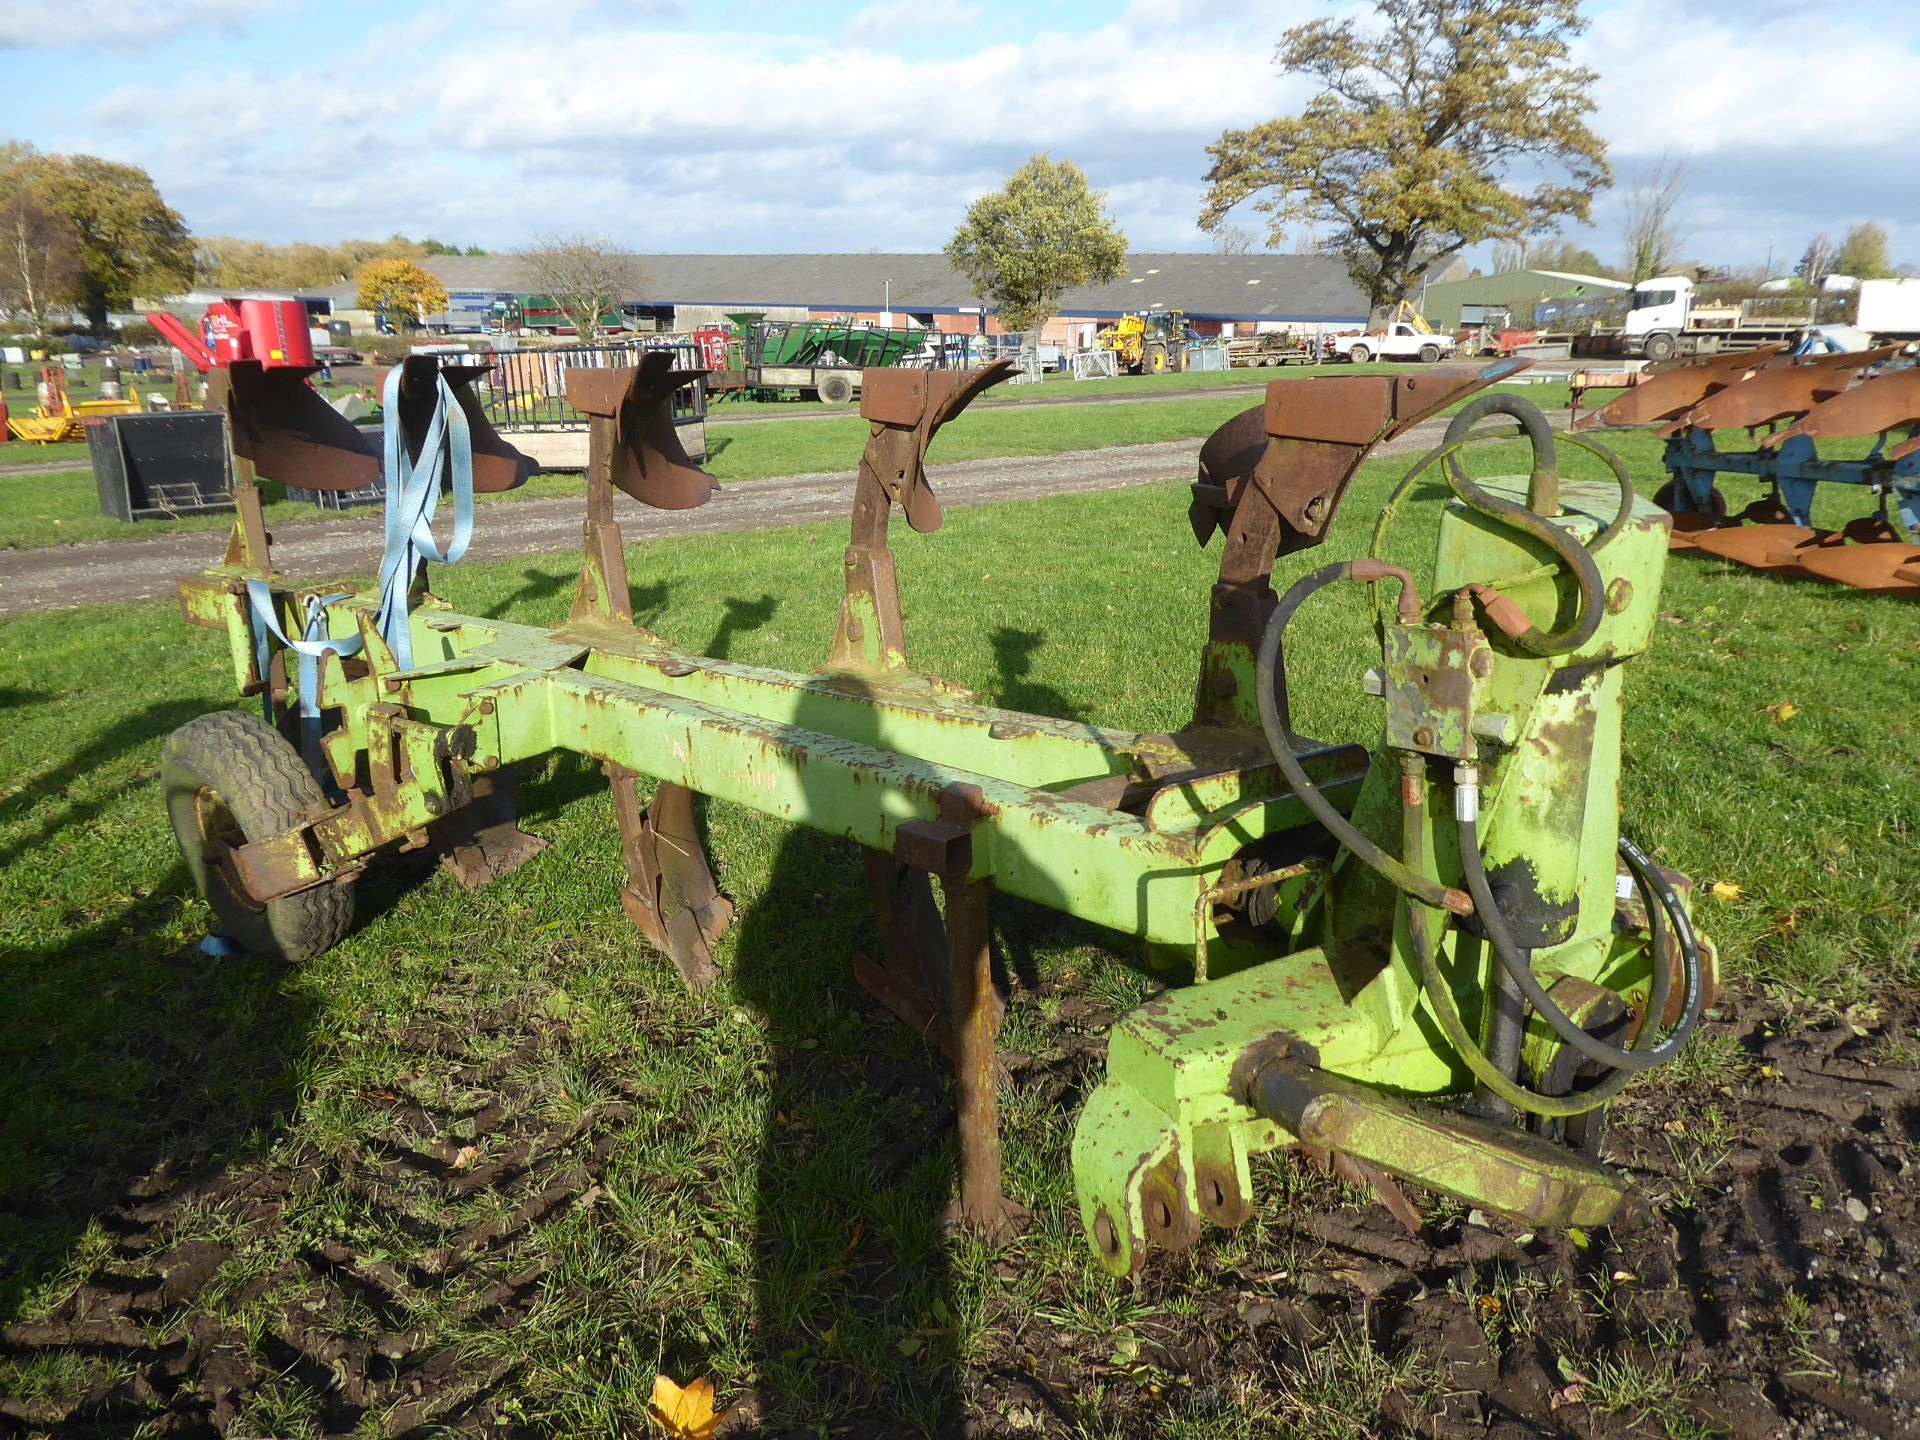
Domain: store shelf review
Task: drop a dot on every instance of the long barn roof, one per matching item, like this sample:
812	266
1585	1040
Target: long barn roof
1224	287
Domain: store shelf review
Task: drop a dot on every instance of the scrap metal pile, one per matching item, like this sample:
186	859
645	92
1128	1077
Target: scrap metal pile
1437	959
1700	405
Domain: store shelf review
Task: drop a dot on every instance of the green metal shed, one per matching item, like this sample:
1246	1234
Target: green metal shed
1516	290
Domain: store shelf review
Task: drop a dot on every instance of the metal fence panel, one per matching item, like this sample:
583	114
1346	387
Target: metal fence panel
527	389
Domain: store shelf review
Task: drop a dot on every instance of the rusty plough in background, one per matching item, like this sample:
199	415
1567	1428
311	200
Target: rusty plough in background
1799	402
1437	960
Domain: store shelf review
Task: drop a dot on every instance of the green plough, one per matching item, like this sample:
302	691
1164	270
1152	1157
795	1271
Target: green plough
1437	960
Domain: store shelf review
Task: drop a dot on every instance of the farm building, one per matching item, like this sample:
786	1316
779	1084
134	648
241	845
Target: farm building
1454	303
1221	294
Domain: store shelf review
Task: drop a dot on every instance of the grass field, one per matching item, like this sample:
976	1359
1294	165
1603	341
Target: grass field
768	1162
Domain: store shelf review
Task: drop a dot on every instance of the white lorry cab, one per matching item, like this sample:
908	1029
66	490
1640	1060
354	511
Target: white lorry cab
1666	316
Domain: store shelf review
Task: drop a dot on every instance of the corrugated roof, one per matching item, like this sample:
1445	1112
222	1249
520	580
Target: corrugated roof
1600	281
1226	287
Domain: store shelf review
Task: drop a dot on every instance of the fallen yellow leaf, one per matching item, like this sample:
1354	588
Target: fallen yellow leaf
1783	711
687	1414
1725	890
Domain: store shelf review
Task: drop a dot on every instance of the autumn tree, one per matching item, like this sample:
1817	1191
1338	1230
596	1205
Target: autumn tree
1863	254
1046	231
1655	230
401	290
586	276
127	240
1426	113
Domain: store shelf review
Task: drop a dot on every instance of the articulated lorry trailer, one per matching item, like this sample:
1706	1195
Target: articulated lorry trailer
1667	316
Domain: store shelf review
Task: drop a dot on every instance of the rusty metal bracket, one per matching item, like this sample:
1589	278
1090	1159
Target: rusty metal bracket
497	465
286	430
905	409
1271	480
629	416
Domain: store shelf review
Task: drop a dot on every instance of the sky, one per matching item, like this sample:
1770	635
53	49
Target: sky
739	126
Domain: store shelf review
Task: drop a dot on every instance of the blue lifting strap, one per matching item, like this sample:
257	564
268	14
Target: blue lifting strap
413	495
312	644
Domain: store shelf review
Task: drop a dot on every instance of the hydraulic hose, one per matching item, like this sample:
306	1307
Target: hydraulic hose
1268	680
1543	491
1440	999
1515	964
1543	485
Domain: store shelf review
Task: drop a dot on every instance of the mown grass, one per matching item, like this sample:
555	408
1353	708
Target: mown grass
747	1226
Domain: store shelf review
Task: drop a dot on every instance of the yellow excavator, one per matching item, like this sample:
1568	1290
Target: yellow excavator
1153	342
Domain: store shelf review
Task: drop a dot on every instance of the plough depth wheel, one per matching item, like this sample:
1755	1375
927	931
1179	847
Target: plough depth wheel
230	778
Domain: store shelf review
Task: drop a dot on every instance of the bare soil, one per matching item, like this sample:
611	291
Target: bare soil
1806	1205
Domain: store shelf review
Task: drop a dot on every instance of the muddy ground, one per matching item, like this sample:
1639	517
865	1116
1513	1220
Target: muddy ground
1763	1286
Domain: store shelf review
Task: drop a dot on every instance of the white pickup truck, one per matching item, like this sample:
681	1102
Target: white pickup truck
1399	341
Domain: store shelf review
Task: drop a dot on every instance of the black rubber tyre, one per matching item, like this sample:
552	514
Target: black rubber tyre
232	777
1429	354
1659	347
1667	497
1156	361
836	389
1359	354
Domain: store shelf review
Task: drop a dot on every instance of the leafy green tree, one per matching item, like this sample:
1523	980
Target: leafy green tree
1863	254
1405	156
129	241
1043	233
400	288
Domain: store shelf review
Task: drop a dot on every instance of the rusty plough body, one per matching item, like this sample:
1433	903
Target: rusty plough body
1798	403
1438	960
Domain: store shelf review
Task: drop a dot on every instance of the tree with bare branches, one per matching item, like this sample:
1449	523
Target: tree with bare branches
1655	232
39	260
586	276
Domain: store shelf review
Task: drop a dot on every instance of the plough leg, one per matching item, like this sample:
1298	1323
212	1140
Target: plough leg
983	1204
670	894
482	840
911	977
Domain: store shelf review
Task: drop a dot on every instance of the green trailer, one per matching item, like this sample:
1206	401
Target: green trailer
824	359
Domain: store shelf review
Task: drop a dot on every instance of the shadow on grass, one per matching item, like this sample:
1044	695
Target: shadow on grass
853	1289
1013	652
142	727
130	1054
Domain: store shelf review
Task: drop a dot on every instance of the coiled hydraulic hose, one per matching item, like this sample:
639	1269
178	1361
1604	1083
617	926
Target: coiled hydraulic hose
1657	894
1268	680
1532	519
1500	940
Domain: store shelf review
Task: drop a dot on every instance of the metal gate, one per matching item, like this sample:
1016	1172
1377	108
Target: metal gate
527	389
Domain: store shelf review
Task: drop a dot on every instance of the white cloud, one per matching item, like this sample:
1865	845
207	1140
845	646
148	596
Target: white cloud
124	25
491	123
895	20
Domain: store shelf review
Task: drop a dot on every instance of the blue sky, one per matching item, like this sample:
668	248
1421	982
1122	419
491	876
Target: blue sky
716	126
